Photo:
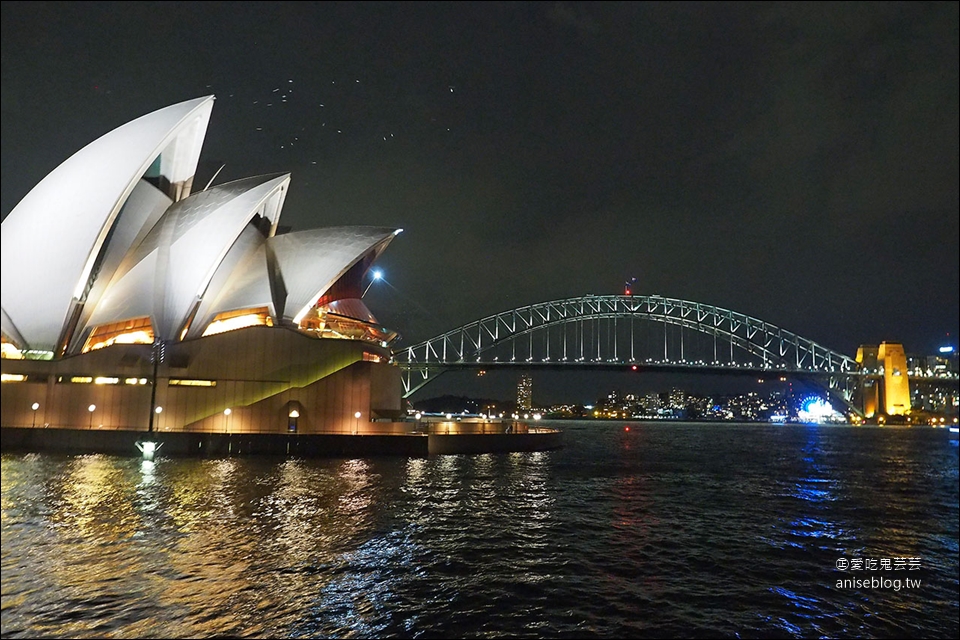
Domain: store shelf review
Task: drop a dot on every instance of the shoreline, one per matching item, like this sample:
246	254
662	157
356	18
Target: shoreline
314	445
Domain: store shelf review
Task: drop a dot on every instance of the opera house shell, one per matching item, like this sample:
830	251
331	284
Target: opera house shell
151	306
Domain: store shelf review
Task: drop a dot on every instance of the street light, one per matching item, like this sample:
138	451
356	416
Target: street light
91	409
226	415
356	426
35	406
375	275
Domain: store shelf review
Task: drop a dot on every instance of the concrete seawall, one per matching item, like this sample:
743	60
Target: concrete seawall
124	443
118	442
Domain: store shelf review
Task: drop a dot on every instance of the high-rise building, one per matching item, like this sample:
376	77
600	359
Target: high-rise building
525	393
677	399
651	403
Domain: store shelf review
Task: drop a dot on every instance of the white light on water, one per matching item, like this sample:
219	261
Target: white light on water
148	449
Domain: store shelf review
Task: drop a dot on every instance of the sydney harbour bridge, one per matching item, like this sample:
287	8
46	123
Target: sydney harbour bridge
632	332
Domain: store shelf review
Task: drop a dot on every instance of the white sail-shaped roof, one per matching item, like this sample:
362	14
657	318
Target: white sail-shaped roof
140	213
52	240
310	262
242	281
167	274
113	235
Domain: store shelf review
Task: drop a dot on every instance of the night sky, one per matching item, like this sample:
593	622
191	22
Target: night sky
794	162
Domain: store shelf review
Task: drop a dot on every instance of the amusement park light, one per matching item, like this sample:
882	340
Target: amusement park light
815	410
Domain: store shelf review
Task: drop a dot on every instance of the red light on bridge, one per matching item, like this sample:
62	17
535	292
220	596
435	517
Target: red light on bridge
633	368
626	428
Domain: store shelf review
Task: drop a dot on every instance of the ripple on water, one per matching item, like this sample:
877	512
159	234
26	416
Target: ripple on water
671	530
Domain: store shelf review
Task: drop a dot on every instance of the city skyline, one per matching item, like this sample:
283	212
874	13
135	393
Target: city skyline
795	165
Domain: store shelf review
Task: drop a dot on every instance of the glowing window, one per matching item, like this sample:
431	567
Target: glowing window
231	320
9	351
186	382
133	331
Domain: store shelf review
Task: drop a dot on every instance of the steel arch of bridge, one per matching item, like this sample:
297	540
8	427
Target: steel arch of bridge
754	345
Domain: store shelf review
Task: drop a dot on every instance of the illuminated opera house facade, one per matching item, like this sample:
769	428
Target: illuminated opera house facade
132	302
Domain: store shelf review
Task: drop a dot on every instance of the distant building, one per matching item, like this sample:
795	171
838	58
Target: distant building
927	394
677	399
651	403
525	393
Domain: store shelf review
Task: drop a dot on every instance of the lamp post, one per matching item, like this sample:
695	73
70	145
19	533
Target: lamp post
156	355
35	406
226	417
376	275
91	409
356	425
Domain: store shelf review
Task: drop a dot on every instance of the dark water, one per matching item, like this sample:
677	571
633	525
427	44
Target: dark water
665	530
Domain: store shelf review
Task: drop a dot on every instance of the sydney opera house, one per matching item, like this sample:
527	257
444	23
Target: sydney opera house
133	302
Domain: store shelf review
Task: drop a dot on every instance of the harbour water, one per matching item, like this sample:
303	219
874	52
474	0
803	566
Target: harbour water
663	530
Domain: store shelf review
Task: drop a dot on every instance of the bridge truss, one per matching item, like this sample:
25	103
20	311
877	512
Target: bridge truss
650	332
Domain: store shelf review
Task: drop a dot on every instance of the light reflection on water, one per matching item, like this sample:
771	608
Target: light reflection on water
663	530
